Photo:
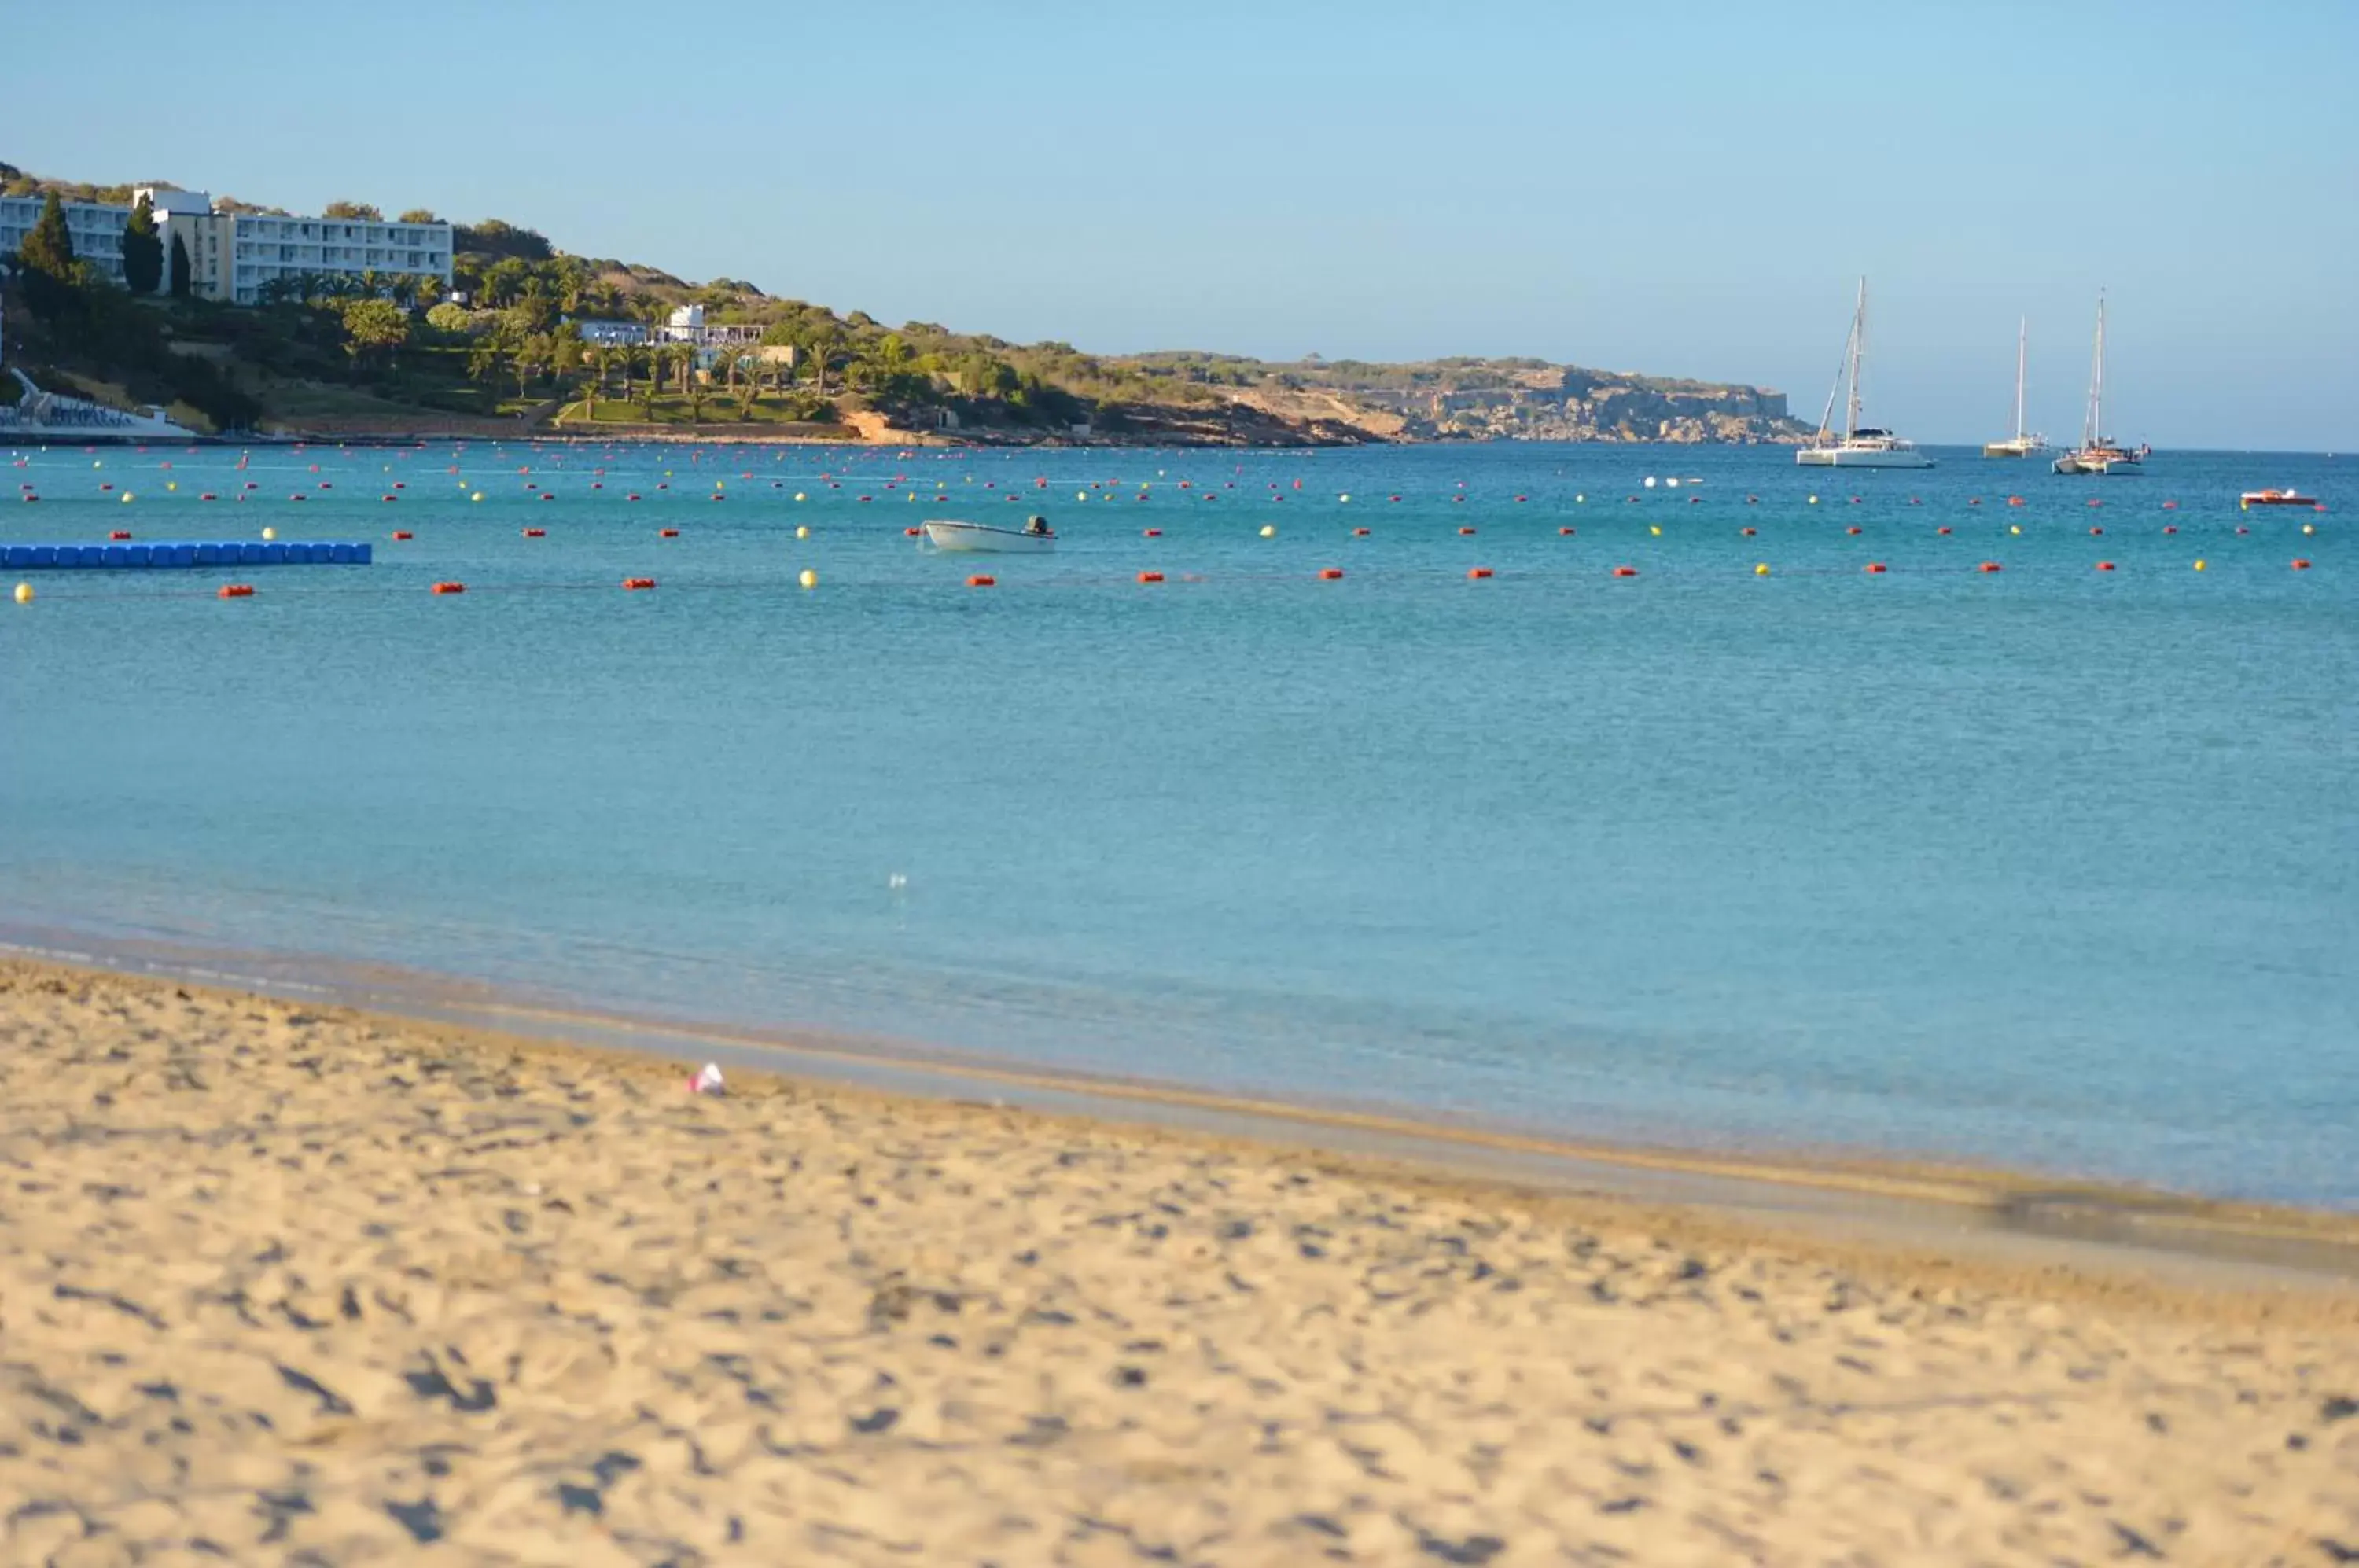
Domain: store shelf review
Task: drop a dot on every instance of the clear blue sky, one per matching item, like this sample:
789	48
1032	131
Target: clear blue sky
1687	190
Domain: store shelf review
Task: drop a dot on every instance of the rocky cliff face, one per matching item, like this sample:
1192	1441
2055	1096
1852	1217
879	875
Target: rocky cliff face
1568	403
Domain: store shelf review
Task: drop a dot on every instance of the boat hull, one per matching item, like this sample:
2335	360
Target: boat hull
976	539
2011	448
2099	467
1843	457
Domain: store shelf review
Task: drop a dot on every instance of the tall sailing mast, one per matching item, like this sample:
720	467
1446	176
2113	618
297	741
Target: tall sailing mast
2022	327
2093	426
1858	342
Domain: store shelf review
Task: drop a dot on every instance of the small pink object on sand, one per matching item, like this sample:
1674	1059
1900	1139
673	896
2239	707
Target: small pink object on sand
706	1081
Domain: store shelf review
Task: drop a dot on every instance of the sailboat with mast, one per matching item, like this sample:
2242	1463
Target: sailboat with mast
1859	446
2018	444
2097	453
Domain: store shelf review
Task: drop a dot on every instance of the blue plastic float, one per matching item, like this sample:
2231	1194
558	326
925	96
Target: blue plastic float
217	552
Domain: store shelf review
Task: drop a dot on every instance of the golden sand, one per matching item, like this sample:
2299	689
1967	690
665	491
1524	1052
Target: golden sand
282	1284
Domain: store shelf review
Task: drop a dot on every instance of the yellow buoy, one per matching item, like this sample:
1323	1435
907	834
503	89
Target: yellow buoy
476	496
798	495
803	530
24	593
2309	528
1079	495
1581	500
270	533
2199	566
171	485
1654	529
1269	530
2015	528
1761	569
1814	500
126	497
809	579
1345	497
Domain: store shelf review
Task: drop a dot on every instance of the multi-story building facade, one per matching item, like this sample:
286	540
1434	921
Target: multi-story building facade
97	229
231	255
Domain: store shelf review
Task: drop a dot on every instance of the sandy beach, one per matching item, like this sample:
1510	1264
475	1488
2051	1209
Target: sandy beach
285	1283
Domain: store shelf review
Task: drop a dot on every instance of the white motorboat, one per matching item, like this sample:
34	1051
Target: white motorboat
2098	453
1035	537
1859	446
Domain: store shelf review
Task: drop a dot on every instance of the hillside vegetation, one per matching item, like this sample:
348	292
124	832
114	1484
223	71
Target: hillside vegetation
386	353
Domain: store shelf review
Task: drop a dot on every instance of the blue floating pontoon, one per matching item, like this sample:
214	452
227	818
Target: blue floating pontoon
222	552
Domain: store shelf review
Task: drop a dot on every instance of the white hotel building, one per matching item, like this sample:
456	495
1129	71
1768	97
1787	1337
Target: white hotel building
233	255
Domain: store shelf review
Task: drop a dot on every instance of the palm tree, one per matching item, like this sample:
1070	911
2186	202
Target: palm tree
599	358
825	340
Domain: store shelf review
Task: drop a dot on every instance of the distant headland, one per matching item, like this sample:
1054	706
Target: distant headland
223	316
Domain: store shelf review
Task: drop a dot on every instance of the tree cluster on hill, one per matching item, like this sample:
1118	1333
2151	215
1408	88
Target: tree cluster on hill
65	315
513	326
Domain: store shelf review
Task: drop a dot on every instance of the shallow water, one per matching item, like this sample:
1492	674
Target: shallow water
2046	866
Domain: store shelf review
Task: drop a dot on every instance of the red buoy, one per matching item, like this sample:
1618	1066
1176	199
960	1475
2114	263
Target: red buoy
630	583
1329	574
1464	532
1626	572
1988	566
245	590
1150	577
982	581
666	533
1478	572
536	533
401	533
2104	566
2301	565
1875	566
450	588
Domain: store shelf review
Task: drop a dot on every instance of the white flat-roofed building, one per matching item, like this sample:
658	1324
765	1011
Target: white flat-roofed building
261	248
97	229
233	255
614	334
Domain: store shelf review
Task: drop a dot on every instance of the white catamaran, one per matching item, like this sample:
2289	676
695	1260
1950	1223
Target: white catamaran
2018	444
1859	446
2097	453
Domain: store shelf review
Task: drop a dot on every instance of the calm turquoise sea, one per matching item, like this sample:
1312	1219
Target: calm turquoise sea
2051	866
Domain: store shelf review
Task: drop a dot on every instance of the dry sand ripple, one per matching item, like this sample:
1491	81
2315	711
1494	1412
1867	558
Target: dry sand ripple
298	1285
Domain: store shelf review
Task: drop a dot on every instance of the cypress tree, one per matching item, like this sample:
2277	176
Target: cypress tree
143	251
179	268
46	260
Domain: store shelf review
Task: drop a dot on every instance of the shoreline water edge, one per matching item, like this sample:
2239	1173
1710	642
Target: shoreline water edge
283	1278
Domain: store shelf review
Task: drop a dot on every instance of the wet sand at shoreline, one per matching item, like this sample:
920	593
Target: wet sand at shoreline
293	1283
